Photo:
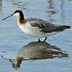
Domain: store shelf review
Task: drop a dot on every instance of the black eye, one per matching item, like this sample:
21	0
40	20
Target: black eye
15	12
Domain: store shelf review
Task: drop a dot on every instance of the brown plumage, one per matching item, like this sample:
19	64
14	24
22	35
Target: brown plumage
37	28
46	26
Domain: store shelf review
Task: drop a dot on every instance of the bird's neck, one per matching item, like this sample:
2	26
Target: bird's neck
20	18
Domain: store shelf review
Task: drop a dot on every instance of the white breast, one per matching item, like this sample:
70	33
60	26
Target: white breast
34	31
29	30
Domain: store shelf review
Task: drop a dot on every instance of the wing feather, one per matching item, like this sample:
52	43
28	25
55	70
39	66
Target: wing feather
46	26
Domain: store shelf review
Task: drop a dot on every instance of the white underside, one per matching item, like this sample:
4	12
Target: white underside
34	31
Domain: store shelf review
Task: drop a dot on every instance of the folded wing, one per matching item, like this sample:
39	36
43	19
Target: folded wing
46	26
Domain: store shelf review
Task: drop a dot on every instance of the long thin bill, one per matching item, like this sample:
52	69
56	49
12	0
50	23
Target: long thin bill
7	17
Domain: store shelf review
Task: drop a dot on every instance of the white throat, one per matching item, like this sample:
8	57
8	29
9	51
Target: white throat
16	14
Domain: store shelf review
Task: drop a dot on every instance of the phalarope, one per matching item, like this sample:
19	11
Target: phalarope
37	28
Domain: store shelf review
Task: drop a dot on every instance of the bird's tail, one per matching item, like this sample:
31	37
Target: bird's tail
65	27
62	27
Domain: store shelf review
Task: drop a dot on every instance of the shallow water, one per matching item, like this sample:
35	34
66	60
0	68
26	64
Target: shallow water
54	55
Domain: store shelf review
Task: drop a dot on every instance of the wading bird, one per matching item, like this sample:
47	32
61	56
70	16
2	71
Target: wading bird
37	28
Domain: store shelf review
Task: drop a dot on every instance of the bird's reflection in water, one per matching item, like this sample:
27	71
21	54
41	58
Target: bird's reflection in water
37	51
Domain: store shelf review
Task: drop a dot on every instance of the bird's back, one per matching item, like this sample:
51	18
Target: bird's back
45	26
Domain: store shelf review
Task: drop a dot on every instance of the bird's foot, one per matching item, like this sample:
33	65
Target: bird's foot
38	40
45	39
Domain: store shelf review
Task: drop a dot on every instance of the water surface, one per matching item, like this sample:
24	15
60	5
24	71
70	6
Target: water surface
55	55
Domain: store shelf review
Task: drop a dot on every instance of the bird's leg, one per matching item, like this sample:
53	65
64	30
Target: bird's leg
45	39
38	40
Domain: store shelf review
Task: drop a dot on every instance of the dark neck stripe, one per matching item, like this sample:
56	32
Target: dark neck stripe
22	16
